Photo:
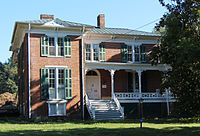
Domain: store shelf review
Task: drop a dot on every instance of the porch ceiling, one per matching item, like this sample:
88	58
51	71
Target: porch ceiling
127	66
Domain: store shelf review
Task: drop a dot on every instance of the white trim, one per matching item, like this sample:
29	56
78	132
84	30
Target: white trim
82	71
55	66
57	101
29	73
52	33
127	66
99	78
57	108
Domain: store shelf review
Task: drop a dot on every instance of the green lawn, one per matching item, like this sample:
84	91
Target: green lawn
99	128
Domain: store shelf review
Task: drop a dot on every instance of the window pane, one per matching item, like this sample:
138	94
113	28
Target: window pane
137	57
129	53
61	93
51	46
87	52
52	109
96	51
52	94
60	77
61	109
51	78
60	47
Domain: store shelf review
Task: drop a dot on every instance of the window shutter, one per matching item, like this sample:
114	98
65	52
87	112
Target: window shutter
102	52
68	83
67	47
44	83
124	53
143	53
44	46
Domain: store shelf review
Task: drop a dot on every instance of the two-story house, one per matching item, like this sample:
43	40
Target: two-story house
66	69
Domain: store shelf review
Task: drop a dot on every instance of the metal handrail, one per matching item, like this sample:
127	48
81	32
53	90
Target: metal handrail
89	107
118	105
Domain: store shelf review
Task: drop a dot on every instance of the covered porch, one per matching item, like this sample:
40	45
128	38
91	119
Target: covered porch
127	82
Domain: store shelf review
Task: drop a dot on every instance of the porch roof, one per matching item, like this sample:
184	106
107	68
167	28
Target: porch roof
126	66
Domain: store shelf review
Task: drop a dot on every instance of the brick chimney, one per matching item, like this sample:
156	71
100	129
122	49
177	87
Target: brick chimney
45	16
101	20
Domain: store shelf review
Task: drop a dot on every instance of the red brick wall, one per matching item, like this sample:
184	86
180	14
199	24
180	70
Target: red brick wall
153	80
120	81
113	52
37	62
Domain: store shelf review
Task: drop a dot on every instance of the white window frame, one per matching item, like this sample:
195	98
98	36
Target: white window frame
92	53
130	53
56	46
88	52
56	82
137	46
57	103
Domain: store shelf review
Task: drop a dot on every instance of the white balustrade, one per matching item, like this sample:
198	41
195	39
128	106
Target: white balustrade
146	95
89	107
119	105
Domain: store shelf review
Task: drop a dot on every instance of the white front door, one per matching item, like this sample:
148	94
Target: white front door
93	87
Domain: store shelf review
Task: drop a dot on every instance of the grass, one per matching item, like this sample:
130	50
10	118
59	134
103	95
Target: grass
99	128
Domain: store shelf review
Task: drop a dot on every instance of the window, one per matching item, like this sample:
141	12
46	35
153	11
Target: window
56	84
55	46
95	52
129	53
87	52
140	53
60	47
57	109
137	53
51	46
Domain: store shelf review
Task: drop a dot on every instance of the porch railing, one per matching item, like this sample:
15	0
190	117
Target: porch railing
119	106
149	95
91	110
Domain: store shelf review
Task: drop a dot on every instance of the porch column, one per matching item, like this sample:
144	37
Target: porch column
140	83
112	72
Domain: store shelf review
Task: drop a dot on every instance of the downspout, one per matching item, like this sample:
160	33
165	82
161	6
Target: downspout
82	68
29	94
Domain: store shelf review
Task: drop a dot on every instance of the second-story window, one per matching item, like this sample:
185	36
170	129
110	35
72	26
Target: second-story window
129	53
60	46
137	53
87	52
140	53
51	46
95	52
55	46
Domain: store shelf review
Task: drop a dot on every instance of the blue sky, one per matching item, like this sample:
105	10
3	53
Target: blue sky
118	13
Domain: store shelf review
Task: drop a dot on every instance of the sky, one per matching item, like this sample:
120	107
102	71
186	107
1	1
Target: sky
130	14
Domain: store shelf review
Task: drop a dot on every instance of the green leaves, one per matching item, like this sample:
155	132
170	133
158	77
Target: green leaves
180	48
8	77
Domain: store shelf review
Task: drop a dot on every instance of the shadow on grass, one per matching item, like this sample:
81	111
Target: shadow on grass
171	131
126	121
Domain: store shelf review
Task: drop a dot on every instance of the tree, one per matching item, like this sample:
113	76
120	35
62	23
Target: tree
180	48
8	77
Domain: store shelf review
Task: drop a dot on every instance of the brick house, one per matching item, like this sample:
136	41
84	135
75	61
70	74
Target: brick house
69	69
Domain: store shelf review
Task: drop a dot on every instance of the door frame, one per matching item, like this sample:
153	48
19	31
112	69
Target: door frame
99	78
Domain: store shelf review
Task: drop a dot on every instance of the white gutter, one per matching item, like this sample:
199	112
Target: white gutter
82	68
29	96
